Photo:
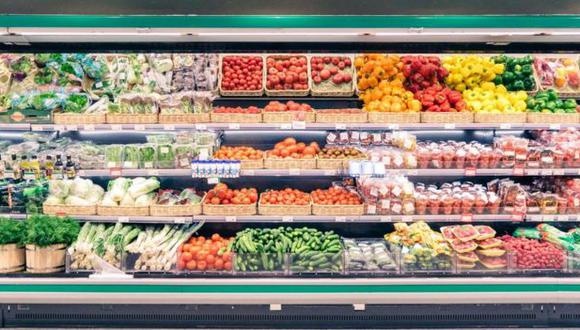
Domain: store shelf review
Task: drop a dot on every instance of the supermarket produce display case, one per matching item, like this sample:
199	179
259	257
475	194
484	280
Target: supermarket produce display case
340	286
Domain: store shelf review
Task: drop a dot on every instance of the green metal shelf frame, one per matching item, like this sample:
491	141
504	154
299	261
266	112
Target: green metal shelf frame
289	21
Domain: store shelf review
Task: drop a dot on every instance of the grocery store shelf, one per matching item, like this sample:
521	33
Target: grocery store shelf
323	218
321	172
291	126
291	291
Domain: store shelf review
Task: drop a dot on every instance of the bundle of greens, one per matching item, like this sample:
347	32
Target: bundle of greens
11	231
76	103
45	230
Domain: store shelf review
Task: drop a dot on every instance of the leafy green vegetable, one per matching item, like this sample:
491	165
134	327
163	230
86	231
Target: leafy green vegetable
148	156
44	230
165	156
114	155
11	231
43	76
76	103
130	156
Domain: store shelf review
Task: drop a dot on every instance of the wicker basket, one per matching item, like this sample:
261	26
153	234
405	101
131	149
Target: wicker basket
175	210
131	119
285	163
78	118
500	118
338	210
184	118
236	117
223	92
121	211
552	118
69	209
446	117
330	118
229	210
314	91
334	163
283	210
394	117
289	92
288	117
251	164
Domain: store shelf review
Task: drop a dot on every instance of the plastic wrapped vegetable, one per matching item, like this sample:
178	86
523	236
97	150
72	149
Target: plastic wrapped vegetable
189	196
76	103
147	156
59	188
131	155
183	156
165	156
145	200
114	156
140	188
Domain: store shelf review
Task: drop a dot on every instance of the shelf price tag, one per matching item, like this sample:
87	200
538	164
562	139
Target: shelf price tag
385	219
287	218
412	172
299	125
562	217
505	126
249	172
213	180
285	126
89	127
179	220
234	126
59	128
535	218
294	171
123	219
115	172
518	170
470	171
116	127
449	126
37	128
152	172
555	126
371	209
139	127
340	219
558	171
168	127
231	218
329	173
81	173
517	217
72	128
532	171
407	218
340	126
467	217
394	126
202	127
547	172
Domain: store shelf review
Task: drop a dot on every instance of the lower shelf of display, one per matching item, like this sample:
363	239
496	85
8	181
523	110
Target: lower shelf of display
283	126
322	172
324	218
359	291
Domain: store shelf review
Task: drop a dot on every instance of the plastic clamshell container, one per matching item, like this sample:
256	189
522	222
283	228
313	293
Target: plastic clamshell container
260	264
72	265
316	262
424	260
485	265
209	270
369	257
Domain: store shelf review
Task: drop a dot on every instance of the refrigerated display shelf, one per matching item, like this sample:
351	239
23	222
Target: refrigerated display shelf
321	172
298	126
454	218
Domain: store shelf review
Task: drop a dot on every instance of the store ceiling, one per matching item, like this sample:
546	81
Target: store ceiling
292	7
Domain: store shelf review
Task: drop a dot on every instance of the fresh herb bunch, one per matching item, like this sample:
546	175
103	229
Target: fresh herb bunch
11	231
45	230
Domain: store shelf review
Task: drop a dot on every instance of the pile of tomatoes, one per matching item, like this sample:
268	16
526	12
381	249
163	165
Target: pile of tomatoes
534	254
286	196
275	106
290	148
238	153
201	254
251	110
333	68
286	73
340	111
335	196
242	73
222	195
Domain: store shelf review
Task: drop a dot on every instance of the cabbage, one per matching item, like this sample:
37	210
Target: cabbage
58	188
76	201
118	188
127	201
80	187
143	187
53	200
96	190
108	201
145	200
